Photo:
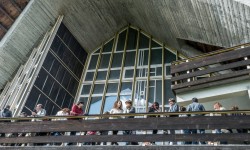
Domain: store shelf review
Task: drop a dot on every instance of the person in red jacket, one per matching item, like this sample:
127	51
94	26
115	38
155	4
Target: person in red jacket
76	110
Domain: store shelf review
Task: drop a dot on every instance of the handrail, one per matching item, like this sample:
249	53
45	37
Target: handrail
210	53
127	115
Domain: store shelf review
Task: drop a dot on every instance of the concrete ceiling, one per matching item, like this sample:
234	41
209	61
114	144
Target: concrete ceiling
223	23
9	11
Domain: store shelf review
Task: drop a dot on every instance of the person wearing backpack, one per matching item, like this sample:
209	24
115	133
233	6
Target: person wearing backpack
6	113
195	106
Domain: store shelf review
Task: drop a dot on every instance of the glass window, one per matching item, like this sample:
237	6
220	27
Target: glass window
89	76
112	87
140	94
98	51
86	89
129	73
130	59
144	41
168	70
169	57
132	37
126	88
93	62
143	58
104	61
85	100
109	103
47	88
158	96
108	47
114	74
156	56
101	75
98	89
158	71
56	44
95	105
155	44
168	92
117	60
41	78
49	60
142	72
54	91
121	41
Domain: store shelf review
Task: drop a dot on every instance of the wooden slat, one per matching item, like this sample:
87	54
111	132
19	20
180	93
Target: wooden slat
211	70
129	138
211	79
210	84
211	60
132	147
202	122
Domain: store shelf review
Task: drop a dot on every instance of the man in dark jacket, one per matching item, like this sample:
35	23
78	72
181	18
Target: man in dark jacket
129	109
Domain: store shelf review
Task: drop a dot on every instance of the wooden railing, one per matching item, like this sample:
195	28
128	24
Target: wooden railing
19	125
211	70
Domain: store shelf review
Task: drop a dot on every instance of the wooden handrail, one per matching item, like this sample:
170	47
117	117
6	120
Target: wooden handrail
211	53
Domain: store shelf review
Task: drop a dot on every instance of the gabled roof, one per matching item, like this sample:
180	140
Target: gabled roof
219	23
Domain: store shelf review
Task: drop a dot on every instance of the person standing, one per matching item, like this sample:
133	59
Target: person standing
155	107
129	109
219	107
117	109
40	111
6	113
76	110
195	106
174	107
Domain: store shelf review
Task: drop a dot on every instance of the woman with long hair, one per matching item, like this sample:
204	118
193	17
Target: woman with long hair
117	109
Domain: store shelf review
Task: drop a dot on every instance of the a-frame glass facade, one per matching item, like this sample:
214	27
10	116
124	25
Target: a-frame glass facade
131	65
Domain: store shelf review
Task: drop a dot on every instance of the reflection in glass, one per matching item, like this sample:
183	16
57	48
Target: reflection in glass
117	60
112	87
109	103
93	62
85	89
121	41
130	59
89	76
126	88
95	105
168	92
140	93
132	37
104	61
114	74
156	56
84	100
101	75
98	89
169	57
108	47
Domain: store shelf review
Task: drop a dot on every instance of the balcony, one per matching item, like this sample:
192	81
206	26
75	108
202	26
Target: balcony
211	70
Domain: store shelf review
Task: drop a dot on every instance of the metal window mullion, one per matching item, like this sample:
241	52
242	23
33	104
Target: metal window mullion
135	66
148	75
44	51
80	86
163	78
123	62
108	73
94	79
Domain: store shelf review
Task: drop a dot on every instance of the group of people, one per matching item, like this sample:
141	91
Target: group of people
77	110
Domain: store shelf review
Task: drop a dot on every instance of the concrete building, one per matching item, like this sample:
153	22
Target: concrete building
57	52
